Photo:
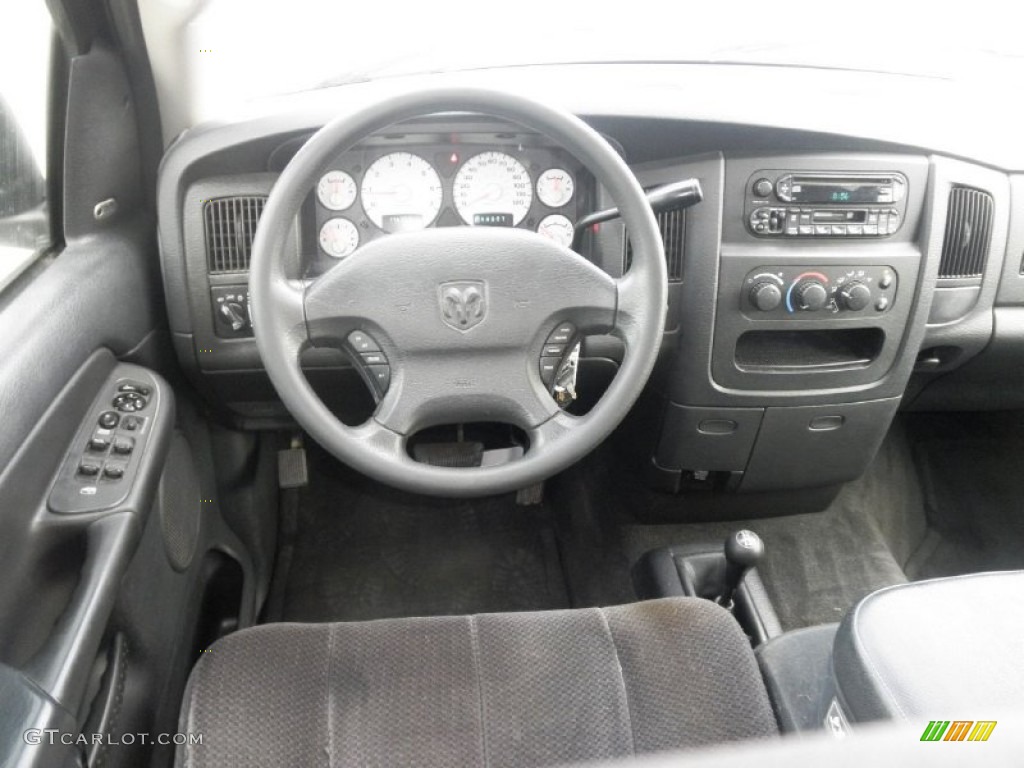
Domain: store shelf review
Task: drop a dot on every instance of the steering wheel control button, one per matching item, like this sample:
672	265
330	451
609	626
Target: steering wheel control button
553	350
362	342
549	369
374	358
113	471
109	419
88	469
381	377
562	334
129	402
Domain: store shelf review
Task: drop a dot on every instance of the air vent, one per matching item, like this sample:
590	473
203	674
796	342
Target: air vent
673	229
230	228
968	233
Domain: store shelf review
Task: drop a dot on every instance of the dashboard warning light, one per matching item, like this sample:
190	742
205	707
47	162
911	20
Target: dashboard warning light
454	158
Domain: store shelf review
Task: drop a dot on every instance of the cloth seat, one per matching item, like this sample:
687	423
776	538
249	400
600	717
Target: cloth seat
515	689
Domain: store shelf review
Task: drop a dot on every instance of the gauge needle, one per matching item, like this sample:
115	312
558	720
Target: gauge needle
493	193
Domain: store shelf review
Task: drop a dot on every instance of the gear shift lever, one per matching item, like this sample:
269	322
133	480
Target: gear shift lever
743	550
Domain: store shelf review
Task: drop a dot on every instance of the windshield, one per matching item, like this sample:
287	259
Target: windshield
244	49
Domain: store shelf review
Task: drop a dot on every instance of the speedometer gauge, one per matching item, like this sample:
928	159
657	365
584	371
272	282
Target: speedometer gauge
493	187
555	187
401	192
339	237
336	190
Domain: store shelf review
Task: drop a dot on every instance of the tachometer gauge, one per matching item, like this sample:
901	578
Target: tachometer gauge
336	190
401	192
558	228
555	187
339	237
493	188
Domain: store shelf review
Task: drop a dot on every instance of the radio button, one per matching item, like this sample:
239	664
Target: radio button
822	229
870	229
805	218
838	229
806	230
855	229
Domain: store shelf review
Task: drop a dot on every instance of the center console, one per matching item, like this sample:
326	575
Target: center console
799	320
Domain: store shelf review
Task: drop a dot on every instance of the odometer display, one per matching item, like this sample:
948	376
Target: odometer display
493	184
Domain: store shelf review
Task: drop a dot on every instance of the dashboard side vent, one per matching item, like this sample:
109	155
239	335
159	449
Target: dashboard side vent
673	230
230	224
968	233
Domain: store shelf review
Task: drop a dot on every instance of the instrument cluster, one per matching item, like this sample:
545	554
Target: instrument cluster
375	191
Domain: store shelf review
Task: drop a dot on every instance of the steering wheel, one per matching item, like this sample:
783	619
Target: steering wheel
462	314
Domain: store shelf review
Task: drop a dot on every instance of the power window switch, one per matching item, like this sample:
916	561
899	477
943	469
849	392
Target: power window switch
88	469
99	444
123	446
113	471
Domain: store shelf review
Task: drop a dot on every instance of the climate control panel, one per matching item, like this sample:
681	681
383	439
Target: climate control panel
819	292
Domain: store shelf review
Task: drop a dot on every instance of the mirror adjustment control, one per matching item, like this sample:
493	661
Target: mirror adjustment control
129	402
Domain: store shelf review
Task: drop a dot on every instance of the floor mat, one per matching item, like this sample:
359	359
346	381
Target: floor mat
364	551
974	486
817	566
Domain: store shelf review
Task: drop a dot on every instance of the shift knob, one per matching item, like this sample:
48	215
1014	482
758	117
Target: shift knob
743	550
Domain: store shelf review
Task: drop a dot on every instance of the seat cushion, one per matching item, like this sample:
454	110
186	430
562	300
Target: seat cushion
944	648
518	689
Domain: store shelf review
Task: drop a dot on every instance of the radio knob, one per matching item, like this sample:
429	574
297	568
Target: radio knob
763	187
766	296
811	295
855	296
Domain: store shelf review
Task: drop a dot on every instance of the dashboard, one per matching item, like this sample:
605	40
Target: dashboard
827	280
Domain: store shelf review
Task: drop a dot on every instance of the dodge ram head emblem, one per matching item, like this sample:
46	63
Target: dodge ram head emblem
463	303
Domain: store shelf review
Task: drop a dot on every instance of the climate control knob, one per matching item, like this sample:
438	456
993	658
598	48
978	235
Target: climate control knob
855	296
811	295
766	296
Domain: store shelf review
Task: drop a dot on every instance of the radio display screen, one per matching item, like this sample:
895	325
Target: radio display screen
808	191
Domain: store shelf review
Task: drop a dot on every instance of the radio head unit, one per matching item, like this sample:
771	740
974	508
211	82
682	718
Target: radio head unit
825	204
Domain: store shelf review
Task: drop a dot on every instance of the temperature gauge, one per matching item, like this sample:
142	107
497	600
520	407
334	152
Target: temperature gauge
336	190
558	228
555	187
339	237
